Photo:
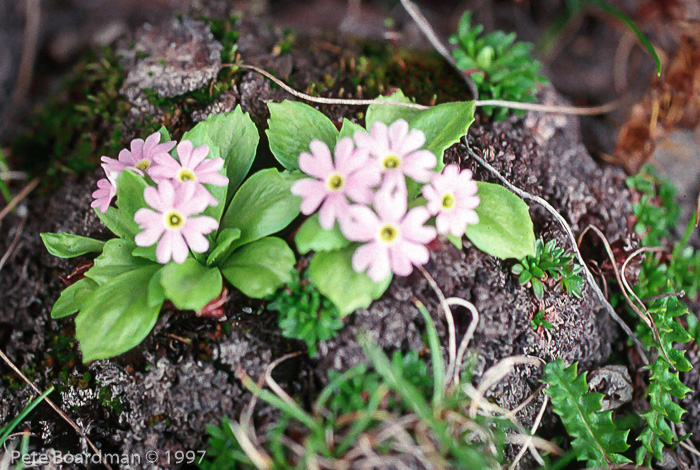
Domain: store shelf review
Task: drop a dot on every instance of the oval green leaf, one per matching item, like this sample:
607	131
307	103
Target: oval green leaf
292	127
505	229
260	268
117	316
190	286
66	245
312	237
331	272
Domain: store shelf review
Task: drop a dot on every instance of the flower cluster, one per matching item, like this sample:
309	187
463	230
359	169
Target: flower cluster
179	194
363	186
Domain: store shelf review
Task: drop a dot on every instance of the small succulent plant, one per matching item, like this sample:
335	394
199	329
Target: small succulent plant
304	313
501	67
550	261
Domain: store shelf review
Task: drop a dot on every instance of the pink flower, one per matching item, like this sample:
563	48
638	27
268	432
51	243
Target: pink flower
106	190
193	166
452	198
333	182
171	223
397	153
395	239
140	157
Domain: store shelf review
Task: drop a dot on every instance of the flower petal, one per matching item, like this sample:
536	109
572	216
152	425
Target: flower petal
312	193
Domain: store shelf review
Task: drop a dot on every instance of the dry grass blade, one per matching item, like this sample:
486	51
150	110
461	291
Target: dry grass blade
273	384
464	344
528	441
589	276
13	245
546	108
496	372
17	199
58	410
451	331
626	289
259	459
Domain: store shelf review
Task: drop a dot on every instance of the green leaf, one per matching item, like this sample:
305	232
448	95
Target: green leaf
596	438
262	206
164	135
190	286
156	293
260	268
116	259
130	187
505	228
292	127
331	272
113	221
389	113
65	245
444	125
117	317
349	128
236	137
312	237
223	246
72	298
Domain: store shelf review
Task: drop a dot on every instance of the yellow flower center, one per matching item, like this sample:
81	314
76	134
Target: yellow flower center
173	220
391	162
143	164
335	182
185	174
448	201
388	233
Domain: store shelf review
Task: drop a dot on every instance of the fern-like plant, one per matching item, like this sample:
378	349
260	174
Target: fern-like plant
596	439
657	216
501	67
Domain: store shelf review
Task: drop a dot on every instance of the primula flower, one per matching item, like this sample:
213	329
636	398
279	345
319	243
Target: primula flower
334	181
106	190
395	239
140	157
172	224
193	166
397	152
452	198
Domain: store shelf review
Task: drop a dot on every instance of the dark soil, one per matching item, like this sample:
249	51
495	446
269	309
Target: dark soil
162	395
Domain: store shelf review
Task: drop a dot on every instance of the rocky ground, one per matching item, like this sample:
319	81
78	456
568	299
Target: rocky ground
162	395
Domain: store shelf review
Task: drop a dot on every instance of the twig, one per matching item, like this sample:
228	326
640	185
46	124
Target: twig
546	108
501	103
572	239
17	199
322	100
451	331
624	285
654	298
58	410
467	336
432	37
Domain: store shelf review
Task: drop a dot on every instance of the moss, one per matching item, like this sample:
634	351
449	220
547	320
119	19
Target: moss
82	122
423	75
